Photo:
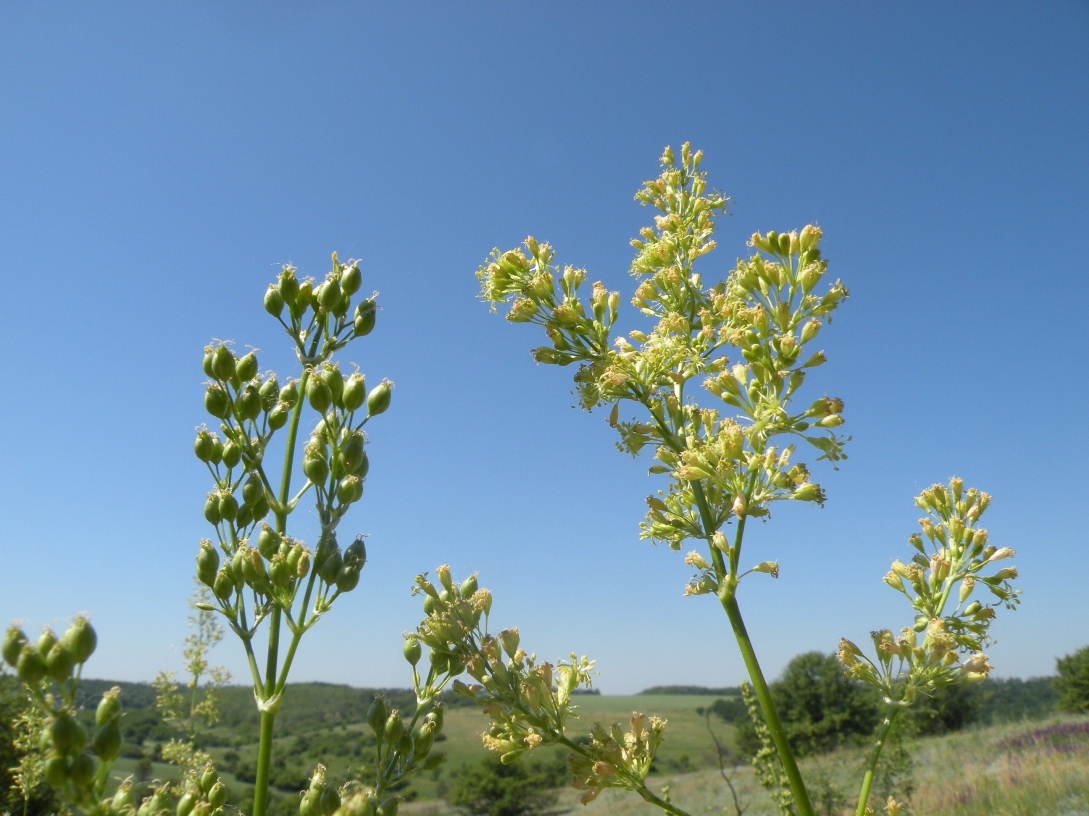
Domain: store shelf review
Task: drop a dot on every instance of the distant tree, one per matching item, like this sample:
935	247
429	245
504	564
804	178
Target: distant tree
1073	681
819	707
490	788
947	709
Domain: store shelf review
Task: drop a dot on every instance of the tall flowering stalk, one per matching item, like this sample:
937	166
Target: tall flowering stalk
729	460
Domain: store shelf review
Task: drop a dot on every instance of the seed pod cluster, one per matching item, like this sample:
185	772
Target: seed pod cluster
403	750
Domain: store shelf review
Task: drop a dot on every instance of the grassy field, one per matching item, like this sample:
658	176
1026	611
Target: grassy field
1029	769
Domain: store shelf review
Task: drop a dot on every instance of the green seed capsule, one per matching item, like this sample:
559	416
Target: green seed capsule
80	640
55	771
413	650
252	490
246	368
228	506
268	541
364	466
232	454
329	295
468	587
279	572
356	554
288	285
378	399
330	569
14	641
428	604
315	469
289	394
188	801
46	643
394	727
355	392
351	451
223	588
216	402
434	760
204	446
270	391
249	403
206	364
109	707
439	660
319	395
82	770
307	805
423	739
217	795
305	298
349	490
303	567
277	417
274	305
388	807
347	578
330	375
376	716
67	734
207	564
365	314
59	663
329	801
244	518
223	363
107	742
211	509
351	280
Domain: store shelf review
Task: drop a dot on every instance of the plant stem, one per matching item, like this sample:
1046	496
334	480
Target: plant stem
268	718
871	768
763	696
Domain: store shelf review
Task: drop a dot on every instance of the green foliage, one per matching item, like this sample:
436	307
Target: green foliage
492	788
1072	683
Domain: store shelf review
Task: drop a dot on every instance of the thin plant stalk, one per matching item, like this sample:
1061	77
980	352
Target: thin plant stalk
875	755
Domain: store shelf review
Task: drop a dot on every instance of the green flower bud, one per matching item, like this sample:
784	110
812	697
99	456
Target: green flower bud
217	795
394	728
45	643
107	742
356	554
204	446
249	404
365	314
318	394
67	734
274	305
208	779
376	716
412	650
231	454
207	564
55	771
59	663
206	364
223	587
355	391
216	401
14	641
228	505
288	284
277	417
351	279
328	295
223	363
330	375
379	397
468	587
347	578
80	640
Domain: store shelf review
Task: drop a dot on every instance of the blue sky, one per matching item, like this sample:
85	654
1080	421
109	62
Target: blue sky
160	162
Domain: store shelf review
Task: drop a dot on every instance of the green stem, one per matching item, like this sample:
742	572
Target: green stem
871	768
264	748
763	696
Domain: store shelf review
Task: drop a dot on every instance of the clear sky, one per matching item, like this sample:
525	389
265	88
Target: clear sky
158	162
